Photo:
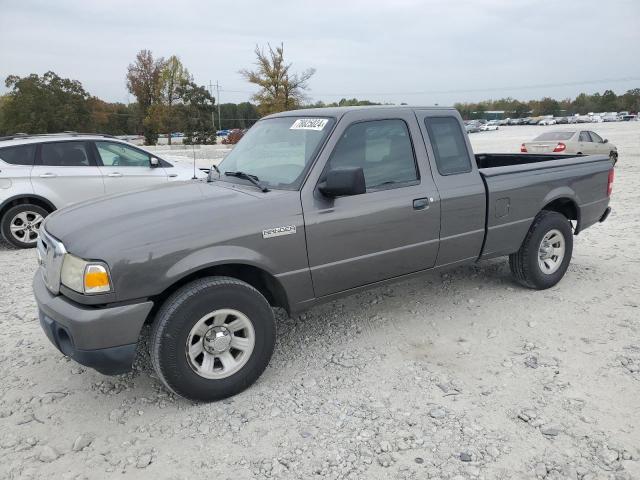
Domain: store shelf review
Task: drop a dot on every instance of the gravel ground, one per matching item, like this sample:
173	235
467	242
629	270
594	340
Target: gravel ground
454	375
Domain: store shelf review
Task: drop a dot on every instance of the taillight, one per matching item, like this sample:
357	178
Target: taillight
523	149
561	147
610	183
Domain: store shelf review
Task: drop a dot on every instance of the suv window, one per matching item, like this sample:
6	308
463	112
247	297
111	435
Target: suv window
115	154
382	148
18	155
449	147
584	137
65	154
595	137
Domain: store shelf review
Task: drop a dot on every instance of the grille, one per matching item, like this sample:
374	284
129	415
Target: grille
50	256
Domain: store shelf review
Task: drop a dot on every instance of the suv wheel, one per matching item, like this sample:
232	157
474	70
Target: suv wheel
212	338
545	253
20	224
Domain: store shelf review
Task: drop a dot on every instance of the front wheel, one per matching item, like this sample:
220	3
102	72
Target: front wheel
613	156
544	256
212	338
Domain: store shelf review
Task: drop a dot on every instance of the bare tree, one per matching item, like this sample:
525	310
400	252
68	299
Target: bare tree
280	89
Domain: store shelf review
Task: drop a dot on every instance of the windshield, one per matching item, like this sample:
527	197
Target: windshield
554	136
277	151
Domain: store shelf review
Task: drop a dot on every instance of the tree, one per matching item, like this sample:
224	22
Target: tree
608	101
195	114
172	77
45	104
280	89
144	81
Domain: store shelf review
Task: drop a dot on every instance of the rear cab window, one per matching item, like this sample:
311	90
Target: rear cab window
18	155
449	146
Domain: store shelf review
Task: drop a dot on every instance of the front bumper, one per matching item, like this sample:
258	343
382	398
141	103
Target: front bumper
101	338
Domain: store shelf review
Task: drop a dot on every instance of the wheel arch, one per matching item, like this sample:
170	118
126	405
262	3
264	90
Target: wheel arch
259	278
25	199
567	206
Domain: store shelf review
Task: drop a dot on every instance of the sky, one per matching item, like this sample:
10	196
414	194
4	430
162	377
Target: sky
419	52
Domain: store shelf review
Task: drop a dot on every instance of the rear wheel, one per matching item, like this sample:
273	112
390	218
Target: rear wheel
212	338
545	253
21	224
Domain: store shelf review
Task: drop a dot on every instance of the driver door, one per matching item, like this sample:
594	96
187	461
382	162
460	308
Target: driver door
125	168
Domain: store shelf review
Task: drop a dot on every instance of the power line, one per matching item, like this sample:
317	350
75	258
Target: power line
470	90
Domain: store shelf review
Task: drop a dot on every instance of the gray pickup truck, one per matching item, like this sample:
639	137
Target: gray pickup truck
310	205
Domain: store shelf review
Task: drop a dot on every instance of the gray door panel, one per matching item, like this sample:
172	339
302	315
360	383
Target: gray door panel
361	239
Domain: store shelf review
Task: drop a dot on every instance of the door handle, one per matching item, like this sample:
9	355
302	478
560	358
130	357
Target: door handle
114	174
48	175
173	175
420	203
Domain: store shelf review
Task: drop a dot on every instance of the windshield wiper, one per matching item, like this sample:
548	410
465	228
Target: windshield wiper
213	167
252	178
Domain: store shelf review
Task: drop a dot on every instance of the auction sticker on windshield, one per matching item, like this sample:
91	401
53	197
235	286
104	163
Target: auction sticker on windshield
309	124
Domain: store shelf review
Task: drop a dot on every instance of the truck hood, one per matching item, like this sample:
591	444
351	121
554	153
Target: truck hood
140	219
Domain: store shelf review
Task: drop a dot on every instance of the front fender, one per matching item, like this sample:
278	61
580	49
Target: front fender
218	255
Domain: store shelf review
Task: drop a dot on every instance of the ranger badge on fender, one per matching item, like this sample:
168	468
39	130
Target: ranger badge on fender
278	231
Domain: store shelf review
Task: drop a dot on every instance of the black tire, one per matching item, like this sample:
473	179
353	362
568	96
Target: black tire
10	216
614	157
524	263
178	315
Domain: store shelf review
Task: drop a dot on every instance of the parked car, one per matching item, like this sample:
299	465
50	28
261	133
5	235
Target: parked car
574	143
310	205
42	173
472	127
629	118
561	120
547	121
491	125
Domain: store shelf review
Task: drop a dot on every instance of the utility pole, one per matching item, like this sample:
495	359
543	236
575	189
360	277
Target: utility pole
213	118
218	100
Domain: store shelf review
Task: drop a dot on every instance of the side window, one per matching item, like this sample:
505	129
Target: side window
19	155
119	155
382	148
595	137
584	137
449	147
65	154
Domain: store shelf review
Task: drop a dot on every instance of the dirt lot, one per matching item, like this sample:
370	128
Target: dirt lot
455	375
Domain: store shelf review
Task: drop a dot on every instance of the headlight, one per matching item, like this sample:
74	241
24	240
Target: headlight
84	277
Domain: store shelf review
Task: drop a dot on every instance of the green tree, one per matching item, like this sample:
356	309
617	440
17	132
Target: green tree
608	101
547	106
45	104
280	89
172	77
195	114
144	80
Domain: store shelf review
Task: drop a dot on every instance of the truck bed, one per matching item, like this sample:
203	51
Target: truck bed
518	186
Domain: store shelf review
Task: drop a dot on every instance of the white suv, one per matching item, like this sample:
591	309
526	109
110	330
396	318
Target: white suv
42	173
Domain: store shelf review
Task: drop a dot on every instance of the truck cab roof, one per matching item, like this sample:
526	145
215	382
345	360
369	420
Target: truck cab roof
338	112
